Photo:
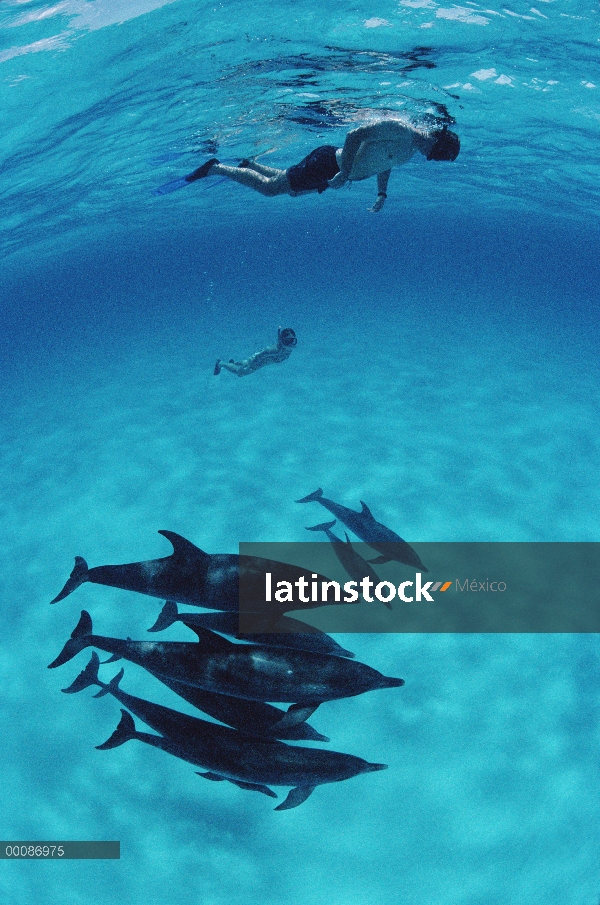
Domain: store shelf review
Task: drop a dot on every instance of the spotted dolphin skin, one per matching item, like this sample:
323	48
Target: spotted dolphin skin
224	753
384	540
252	671
250	717
286	632
191	576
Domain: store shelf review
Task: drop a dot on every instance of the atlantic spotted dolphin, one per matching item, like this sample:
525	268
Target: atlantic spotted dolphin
287	632
252	764
354	564
192	576
252	671
252	718
387	542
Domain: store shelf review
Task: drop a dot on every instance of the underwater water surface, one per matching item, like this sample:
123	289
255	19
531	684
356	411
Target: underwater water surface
446	373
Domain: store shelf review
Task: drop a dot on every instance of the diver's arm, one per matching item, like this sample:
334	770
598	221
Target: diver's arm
382	182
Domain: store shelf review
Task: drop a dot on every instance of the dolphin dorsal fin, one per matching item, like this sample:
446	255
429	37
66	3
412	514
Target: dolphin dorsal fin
207	638
365	510
185	549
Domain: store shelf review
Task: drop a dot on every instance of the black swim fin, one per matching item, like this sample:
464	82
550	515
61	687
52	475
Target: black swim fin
200	173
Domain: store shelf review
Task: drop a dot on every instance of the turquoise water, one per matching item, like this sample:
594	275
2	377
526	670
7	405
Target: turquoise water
446	373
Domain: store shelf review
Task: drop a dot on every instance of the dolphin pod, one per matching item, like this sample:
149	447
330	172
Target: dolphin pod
225	754
253	671
237	681
190	576
384	540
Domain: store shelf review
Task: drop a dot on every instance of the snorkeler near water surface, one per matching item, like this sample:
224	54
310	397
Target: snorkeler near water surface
286	340
371	150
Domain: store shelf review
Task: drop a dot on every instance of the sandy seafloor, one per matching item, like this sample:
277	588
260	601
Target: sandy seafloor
447	374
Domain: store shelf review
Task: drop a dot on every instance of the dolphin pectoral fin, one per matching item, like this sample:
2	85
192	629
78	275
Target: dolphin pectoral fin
123	733
296	714
167	616
185	549
78	641
325	526
311	497
295	797
379	560
251	786
77	577
112	659
254	787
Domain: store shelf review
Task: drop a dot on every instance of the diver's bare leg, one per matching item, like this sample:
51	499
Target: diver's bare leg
266	185
262	169
239	368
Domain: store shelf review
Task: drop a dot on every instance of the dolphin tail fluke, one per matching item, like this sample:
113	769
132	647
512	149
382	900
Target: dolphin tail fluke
296	714
78	641
87	677
167	616
124	732
295	797
112	686
326	526
311	497
77	577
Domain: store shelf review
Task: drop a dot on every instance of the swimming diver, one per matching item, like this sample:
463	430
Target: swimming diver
286	340
369	150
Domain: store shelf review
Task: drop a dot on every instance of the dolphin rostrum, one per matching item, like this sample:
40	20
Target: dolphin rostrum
256	672
226	754
387	542
192	576
287	632
356	567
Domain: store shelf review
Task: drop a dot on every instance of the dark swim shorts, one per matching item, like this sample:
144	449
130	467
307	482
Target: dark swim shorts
314	171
